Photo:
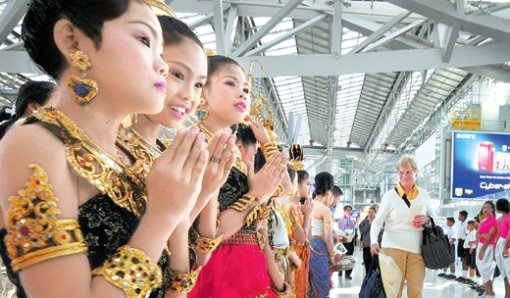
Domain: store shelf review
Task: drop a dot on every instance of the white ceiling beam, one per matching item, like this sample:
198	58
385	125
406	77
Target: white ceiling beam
11	15
219	28
230	28
445	12
394	35
285	36
202	21
460	6
450	43
255	38
494	8
490	71
335	42
327	65
379	32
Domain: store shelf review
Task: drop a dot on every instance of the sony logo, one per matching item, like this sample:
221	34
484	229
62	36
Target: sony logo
466	136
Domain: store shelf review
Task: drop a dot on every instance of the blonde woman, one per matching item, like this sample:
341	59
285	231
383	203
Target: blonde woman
403	235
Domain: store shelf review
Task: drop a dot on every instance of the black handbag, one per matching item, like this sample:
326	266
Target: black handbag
372	286
435	248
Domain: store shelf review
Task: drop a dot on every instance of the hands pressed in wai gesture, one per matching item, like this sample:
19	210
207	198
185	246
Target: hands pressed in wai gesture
264	183
221	159
174	181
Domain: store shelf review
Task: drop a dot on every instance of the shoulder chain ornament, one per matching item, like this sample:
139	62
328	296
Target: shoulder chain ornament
34	232
96	166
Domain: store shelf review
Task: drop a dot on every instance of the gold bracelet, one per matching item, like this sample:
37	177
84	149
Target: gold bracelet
282	293
243	203
131	270
183	282
206	245
252	215
269	149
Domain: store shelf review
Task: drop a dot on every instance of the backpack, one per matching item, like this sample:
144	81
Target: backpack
435	248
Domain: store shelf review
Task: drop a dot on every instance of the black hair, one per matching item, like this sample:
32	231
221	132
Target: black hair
503	205
30	92
214	63
491	203
302	176
337	191
347	206
42	15
292	172
451	219
259	161
244	134
471	222
324	181
175	30
463	213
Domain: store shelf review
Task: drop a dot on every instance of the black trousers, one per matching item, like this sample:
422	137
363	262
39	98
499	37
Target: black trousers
367	258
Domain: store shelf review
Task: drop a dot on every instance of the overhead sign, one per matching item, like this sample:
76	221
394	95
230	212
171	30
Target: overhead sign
480	165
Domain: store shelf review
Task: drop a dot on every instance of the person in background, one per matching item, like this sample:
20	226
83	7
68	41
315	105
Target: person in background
337	196
364	228
487	235
31	96
461	251
300	217
402	237
470	246
451	233
348	226
501	255
322	253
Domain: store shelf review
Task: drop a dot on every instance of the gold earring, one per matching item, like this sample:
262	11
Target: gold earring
82	88
202	112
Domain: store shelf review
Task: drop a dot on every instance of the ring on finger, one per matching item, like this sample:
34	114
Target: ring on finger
215	159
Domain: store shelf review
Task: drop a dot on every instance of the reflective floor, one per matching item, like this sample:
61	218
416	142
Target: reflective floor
435	286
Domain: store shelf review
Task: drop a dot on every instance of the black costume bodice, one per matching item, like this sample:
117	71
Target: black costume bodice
105	226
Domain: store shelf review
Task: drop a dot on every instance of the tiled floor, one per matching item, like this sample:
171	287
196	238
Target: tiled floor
435	287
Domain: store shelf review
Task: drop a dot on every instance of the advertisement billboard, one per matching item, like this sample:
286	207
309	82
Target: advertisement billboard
480	165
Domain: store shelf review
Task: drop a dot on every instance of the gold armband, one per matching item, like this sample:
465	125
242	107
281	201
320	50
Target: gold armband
34	232
207	245
264	213
253	215
243	203
183	282
282	293
269	149
131	270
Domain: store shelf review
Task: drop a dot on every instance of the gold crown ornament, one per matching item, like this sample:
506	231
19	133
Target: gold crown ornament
160	8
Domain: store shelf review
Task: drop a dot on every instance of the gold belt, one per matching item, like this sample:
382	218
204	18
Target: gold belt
280	253
242	238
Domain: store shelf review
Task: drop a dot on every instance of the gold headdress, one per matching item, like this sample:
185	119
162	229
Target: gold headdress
296	157
209	52
160	8
260	110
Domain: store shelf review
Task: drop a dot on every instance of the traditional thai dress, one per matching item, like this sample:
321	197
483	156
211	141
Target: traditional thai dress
319	262
279	240
300	284
237	268
106	221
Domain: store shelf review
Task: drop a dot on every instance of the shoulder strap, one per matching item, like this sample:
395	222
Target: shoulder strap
404	197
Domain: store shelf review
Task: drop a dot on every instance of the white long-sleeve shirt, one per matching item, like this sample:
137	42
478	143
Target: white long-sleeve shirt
399	231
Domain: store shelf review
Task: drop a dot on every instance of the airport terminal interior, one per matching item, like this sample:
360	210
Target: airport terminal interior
357	85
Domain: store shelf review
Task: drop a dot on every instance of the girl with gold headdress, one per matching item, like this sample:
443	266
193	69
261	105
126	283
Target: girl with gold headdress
237	267
79	216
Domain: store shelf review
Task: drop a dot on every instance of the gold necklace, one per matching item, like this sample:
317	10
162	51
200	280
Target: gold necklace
96	165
